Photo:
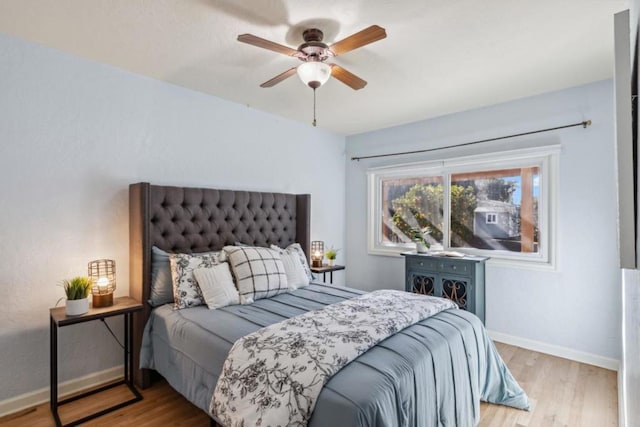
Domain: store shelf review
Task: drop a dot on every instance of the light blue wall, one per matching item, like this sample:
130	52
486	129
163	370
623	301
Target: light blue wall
73	135
576	307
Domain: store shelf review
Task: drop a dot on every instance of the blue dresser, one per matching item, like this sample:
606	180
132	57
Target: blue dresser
459	279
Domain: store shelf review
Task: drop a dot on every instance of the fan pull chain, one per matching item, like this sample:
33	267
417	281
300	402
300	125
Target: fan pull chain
314	107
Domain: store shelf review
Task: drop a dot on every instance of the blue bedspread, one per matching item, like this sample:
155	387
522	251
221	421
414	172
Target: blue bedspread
433	373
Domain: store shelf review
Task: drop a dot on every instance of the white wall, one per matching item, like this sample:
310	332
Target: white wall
576	307
73	135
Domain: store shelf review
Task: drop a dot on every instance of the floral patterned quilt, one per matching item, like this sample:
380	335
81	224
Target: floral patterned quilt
273	376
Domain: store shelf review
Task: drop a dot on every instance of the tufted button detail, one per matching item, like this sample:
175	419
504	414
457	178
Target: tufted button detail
222	217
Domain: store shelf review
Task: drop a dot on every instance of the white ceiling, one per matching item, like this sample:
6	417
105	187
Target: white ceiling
439	57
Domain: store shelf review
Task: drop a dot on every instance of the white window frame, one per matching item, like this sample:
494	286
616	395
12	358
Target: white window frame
491	218
546	158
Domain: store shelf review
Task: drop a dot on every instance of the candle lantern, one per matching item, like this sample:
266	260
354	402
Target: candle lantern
317	253
103	275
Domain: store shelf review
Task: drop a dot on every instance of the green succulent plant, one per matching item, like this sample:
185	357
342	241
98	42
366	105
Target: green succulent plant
331	253
419	235
77	288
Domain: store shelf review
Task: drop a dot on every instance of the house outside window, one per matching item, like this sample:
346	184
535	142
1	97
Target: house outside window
499	205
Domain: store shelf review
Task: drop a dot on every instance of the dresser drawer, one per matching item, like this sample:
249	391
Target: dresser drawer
455	267
421	263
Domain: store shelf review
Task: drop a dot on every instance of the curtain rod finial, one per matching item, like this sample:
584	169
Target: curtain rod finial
586	123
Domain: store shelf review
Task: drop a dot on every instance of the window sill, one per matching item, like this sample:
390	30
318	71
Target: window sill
493	260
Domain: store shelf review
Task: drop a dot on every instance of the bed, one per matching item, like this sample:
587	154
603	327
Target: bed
432	373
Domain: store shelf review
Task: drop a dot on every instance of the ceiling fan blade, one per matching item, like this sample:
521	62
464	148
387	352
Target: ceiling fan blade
280	77
359	39
266	44
346	77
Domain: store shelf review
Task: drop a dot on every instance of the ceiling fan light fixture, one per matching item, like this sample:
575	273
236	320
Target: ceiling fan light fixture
314	74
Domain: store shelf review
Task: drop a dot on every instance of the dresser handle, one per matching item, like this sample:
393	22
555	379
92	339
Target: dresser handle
421	263
453	267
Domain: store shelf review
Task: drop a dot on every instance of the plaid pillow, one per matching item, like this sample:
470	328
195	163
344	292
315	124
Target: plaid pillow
259	272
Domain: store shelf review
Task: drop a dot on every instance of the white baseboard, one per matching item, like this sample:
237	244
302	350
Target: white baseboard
34	398
556	350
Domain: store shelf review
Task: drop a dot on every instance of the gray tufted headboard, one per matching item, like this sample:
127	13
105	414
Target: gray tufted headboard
183	219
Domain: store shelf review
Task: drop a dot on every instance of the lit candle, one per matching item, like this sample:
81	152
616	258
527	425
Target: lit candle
103	282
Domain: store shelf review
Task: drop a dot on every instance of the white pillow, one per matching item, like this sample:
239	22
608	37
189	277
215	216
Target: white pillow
217	286
296	276
295	248
258	271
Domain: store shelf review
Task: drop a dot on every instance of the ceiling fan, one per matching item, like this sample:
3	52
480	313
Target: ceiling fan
315	71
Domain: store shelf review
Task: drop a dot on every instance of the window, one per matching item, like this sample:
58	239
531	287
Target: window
414	202
497	205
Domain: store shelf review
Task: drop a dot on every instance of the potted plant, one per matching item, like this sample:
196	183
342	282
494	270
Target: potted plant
331	255
77	291
419	236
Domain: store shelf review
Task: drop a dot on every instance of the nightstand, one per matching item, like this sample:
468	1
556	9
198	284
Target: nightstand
327	269
125	306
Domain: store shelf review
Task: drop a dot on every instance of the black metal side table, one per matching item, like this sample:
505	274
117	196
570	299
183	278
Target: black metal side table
121	306
327	269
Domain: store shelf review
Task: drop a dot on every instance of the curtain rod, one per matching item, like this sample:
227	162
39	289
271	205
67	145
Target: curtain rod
584	124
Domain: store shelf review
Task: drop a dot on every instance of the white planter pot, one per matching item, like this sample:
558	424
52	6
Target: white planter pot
76	307
421	249
330	262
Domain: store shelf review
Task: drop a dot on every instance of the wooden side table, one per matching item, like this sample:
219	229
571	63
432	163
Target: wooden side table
121	306
327	269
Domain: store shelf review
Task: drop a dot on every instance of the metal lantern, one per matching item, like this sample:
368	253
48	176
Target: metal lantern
317	253
103	275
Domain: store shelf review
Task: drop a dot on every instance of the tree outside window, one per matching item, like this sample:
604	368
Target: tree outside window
500	205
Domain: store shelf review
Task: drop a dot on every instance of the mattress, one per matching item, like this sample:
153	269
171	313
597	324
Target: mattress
433	373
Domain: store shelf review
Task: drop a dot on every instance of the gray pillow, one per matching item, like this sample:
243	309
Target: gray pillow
161	277
161	282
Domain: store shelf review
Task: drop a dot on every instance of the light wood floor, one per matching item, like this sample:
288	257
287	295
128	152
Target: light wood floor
562	393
